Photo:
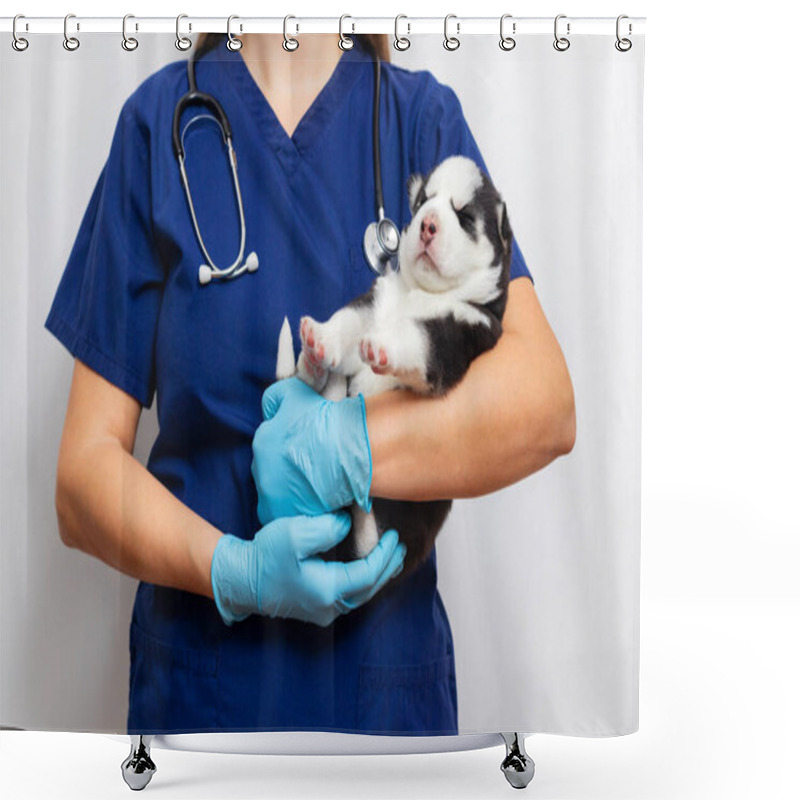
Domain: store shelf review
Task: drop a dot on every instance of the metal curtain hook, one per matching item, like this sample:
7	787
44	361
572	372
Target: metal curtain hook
233	43
623	45
451	42
345	42
70	42
128	42
183	43
18	43
289	44
401	42
507	42
561	43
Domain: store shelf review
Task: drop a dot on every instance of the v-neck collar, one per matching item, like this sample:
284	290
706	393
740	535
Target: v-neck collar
316	117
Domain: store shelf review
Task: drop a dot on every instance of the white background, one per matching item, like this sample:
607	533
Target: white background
720	602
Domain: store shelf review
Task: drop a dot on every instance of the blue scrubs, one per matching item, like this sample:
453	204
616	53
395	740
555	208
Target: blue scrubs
130	307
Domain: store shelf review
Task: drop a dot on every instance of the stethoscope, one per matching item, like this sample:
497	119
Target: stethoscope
381	238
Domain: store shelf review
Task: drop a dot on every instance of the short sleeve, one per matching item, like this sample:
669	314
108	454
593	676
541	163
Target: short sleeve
444	132
105	310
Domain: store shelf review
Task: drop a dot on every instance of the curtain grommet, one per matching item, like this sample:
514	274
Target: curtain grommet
401	43
129	43
290	44
451	43
345	42
19	43
71	43
183	43
507	43
561	43
233	44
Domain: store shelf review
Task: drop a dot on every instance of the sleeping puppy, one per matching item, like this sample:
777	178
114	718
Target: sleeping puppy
418	328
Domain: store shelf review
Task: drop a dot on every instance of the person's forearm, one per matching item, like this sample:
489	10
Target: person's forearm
510	416
111	507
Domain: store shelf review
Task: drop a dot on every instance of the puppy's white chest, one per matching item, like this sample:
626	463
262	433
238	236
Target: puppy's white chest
396	302
392	301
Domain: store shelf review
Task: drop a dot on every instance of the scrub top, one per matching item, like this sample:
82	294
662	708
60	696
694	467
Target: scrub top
130	306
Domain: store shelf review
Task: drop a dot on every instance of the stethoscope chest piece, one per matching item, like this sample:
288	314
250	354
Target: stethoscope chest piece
381	243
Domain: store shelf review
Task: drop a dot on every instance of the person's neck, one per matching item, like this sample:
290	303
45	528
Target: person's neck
290	80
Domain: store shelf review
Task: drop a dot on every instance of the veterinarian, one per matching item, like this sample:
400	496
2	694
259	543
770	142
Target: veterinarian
271	637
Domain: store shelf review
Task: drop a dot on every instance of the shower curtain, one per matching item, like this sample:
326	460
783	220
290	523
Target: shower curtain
539	581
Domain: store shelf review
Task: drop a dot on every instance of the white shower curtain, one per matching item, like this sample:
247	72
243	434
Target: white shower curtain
540	580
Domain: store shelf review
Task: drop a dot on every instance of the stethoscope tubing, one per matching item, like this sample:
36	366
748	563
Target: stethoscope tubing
238	264
376	141
378	258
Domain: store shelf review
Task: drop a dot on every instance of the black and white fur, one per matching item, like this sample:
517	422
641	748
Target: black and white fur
418	328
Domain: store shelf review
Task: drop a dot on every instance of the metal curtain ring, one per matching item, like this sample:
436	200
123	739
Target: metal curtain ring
561	43
401	42
345	42
183	43
507	42
233	43
128	42
451	42
70	42
623	45
289	44
18	43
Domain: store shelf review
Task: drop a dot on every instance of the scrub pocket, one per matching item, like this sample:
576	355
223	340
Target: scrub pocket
416	699
171	688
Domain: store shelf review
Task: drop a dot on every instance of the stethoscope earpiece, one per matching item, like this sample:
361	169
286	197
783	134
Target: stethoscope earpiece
206	273
252	262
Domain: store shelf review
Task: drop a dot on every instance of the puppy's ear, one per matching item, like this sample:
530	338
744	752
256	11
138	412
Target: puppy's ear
503	226
414	186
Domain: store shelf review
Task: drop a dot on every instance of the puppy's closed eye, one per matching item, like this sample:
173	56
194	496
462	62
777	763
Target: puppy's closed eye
466	217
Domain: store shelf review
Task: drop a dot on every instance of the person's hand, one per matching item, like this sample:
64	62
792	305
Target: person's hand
278	573
310	455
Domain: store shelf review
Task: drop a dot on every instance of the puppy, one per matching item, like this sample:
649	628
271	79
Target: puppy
418	328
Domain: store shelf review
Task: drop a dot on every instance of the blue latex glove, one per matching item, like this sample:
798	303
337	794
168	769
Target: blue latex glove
310	455
278	574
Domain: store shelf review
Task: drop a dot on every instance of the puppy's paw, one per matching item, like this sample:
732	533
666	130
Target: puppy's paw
320	344
377	355
312	374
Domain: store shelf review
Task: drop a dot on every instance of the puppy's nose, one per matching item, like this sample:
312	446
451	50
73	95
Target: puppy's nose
427	229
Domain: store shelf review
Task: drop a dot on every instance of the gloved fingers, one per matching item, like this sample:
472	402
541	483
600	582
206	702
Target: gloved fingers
290	389
272	398
357	577
319	534
395	566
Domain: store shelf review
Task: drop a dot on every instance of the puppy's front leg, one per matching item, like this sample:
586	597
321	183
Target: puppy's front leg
333	345
401	352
